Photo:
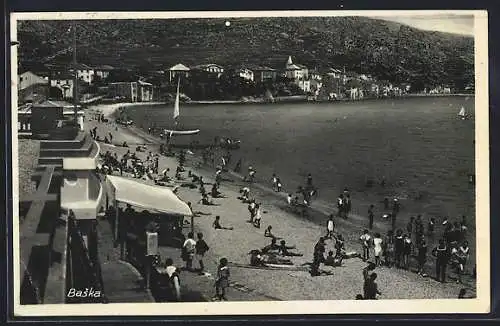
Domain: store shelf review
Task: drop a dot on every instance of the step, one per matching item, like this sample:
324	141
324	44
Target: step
50	161
65	144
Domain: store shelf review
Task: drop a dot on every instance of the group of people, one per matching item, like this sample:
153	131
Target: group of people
129	165
398	247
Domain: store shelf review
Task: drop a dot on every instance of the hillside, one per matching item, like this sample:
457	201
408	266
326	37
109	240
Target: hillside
387	50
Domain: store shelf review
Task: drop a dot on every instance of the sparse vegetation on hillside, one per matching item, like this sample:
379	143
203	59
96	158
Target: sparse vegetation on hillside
386	50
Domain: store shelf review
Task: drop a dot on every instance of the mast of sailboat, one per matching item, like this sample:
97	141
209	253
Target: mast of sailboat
176	105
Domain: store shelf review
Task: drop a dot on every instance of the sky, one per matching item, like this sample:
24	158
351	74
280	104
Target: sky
456	24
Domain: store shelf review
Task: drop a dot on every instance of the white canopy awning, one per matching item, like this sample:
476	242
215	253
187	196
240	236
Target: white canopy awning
146	196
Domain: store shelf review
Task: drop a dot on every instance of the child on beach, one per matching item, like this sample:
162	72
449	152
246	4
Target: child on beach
269	234
222	280
252	210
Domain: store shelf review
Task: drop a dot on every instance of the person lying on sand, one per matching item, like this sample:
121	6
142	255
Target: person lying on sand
245	193
205	201
216	224
273	246
284	250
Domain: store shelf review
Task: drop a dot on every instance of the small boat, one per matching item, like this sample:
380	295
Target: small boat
175	131
462	115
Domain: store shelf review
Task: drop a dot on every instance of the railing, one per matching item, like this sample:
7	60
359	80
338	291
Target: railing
37	231
84	270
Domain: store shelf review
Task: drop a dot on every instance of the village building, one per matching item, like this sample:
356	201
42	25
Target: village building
295	71
179	70
246	74
32	88
335	73
102	71
62	83
264	73
84	72
139	91
210	69
304	85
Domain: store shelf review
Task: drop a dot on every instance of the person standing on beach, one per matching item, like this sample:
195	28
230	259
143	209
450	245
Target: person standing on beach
309	179
407	248
279	185
258	216
366	240
398	248
421	256
201	248
395	207
442	255
274	181
347	205
389	249
237	167
370	217
251	208
222	280
188	251
377	248
340	206
330	227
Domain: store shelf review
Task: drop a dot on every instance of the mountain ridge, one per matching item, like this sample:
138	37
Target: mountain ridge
387	50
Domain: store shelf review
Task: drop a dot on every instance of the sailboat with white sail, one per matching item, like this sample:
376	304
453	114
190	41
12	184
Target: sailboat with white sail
176	130
462	114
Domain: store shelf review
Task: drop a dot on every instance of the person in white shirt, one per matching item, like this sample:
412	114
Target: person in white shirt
258	216
188	251
289	199
377	248
366	243
330	226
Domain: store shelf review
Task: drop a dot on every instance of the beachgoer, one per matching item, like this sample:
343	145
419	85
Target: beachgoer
407	248
377	248
339	246
279	185
409	226
258	216
216	224
188	251
422	256
274	182
441	252
283	250
367	278
252	209
395	206
318	257
330	227
201	248
340	205
222	280
389	248
398	248
268	232
430	227
273	246
309	180
348	205
289	199
370	217
366	241
372	288
256	258
237	167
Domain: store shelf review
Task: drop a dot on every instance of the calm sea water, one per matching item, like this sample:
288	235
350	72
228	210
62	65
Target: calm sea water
424	152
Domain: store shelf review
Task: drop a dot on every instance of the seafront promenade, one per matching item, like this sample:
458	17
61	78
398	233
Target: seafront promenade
265	284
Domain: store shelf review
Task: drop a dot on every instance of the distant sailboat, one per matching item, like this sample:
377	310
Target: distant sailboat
176	131
462	115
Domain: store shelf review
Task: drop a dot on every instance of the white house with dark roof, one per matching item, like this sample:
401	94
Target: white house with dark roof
295	71
103	71
179	70
210	68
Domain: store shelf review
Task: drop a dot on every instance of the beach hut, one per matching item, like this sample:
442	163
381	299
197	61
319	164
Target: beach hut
161	202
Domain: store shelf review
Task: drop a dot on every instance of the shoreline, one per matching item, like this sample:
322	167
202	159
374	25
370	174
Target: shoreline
114	106
317	213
